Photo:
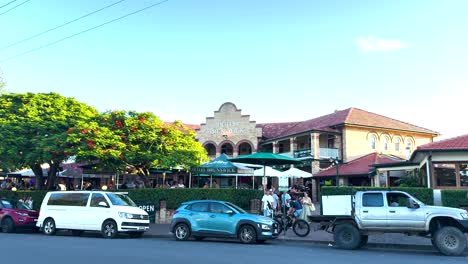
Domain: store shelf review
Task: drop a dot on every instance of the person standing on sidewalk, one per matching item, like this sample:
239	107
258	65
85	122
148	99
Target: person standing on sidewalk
267	203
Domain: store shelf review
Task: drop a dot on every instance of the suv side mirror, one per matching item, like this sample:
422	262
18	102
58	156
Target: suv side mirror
230	212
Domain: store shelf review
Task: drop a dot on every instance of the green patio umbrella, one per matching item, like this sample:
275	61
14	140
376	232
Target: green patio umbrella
221	166
266	159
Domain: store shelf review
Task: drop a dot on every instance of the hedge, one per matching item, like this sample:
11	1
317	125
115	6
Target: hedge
173	197
425	195
455	198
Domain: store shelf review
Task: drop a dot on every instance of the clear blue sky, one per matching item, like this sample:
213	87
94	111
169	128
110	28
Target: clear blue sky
278	61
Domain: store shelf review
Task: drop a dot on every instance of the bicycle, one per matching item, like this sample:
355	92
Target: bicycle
300	227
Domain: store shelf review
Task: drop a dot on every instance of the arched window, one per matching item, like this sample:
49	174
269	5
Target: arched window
227	149
385	143
211	149
245	149
373	141
408	144
397	144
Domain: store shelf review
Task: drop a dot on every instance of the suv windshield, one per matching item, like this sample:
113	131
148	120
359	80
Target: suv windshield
240	210
120	199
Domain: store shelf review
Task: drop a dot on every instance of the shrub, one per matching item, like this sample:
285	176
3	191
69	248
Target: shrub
173	197
455	198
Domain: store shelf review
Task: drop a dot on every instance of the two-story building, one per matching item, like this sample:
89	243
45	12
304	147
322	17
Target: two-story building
322	142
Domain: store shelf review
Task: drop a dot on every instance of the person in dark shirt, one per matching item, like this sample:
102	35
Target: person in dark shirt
295	207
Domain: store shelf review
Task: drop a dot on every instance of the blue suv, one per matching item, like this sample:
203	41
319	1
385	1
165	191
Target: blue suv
207	218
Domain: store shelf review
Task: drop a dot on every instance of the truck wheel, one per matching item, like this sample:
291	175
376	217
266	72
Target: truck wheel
450	241
364	239
347	236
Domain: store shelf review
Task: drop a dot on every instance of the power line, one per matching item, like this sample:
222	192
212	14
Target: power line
57	27
14	6
7	3
86	30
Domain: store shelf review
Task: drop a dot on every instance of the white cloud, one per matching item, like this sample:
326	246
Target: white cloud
372	44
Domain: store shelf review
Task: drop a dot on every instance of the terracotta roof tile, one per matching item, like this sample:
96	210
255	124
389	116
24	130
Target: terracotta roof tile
359	166
350	116
456	143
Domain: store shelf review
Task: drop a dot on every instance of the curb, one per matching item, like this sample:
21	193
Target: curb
321	242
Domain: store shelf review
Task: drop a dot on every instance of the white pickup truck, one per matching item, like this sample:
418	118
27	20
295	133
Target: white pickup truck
351	218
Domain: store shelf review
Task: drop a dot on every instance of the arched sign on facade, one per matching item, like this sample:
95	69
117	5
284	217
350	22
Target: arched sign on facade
229	132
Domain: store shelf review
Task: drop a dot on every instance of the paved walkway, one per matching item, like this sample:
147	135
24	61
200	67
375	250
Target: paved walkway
322	237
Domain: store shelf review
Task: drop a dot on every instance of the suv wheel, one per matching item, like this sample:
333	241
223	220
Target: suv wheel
450	241
181	231
109	229
7	225
247	234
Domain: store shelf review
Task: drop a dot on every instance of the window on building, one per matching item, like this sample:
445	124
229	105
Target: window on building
245	149
397	144
373	141
227	149
464	174
408	144
385	143
210	149
445	174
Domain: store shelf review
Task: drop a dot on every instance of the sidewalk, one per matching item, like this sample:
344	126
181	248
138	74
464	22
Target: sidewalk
322	237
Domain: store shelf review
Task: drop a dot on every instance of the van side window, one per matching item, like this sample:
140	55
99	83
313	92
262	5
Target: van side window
96	199
68	199
372	200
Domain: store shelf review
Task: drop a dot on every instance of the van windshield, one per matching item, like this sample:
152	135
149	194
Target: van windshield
120	199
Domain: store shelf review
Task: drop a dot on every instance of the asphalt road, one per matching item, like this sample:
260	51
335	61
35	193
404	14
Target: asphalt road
66	249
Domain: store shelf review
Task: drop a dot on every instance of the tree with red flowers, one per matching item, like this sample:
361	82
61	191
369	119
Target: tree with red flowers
135	142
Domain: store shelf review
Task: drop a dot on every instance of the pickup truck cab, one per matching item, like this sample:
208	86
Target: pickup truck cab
369	212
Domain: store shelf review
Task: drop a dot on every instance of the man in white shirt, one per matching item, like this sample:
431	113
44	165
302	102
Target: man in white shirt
267	203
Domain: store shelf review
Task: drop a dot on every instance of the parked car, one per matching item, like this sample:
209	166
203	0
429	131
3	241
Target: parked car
110	213
206	218
16	215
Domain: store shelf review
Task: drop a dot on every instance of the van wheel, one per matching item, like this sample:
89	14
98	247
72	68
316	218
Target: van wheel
109	229
7	225
347	236
181	231
49	227
135	234
450	241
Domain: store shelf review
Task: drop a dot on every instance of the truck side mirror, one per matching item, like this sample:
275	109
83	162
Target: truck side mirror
413	204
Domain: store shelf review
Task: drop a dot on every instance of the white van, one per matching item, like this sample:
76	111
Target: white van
107	212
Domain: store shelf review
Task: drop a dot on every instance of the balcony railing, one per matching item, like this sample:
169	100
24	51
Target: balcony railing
324	153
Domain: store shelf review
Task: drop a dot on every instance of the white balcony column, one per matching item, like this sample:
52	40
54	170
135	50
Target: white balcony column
275	147
293	145
315	145
337	145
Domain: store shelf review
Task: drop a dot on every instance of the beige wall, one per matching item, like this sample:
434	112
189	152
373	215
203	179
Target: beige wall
229	126
356	142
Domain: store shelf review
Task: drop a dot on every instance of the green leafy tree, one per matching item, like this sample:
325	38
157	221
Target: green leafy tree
135	142
33	128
